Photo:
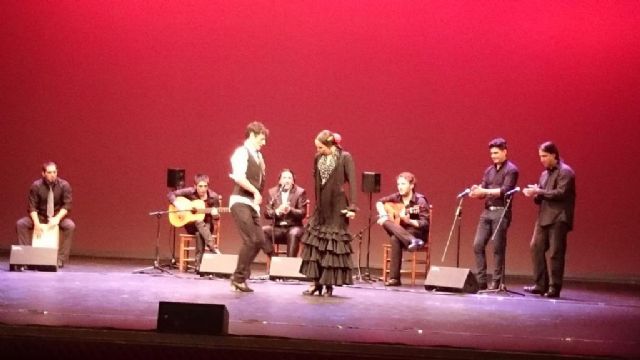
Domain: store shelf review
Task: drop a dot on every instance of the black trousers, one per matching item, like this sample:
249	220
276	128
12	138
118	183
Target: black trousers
202	231
486	227
248	222
400	239
552	238
24	228
289	235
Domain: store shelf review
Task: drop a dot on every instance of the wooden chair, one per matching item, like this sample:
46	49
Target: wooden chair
415	258
187	250
283	249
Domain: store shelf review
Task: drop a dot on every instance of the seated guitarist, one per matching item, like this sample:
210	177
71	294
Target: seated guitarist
202	229
405	217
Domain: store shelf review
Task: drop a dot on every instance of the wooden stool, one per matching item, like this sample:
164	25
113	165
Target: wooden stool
415	261
187	253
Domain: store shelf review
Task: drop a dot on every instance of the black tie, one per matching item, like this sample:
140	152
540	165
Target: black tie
50	203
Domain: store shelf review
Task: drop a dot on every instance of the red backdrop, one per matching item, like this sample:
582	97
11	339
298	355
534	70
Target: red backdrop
118	92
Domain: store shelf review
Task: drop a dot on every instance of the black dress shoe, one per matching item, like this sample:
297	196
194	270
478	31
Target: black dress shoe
241	286
535	289
393	282
415	244
552	293
328	291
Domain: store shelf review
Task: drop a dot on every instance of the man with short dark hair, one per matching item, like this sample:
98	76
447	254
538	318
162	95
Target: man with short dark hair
248	174
50	200
202	229
555	193
498	179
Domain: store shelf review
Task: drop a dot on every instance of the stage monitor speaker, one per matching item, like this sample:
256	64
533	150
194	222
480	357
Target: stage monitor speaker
218	264
450	279
37	258
370	182
188	318
285	268
175	178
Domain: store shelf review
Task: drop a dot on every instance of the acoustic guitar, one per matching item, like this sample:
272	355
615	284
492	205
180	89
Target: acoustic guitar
48	237
394	210
195	210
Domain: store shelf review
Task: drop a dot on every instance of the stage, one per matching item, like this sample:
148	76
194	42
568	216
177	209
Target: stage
106	299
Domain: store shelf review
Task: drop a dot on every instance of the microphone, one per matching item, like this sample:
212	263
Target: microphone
513	191
273	199
466	192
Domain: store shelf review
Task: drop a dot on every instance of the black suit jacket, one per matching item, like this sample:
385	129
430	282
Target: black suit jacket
558	198
297	201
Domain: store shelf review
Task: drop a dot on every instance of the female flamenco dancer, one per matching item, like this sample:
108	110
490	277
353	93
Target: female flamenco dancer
326	243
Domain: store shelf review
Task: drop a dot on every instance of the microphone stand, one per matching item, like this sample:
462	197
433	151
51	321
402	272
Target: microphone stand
502	287
366	277
457	220
273	229
156	262
368	273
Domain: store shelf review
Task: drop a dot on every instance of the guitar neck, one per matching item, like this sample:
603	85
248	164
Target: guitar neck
208	210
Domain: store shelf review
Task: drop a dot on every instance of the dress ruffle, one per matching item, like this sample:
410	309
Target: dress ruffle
326	255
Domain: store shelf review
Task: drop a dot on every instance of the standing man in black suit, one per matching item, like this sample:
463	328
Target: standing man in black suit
286	209
556	195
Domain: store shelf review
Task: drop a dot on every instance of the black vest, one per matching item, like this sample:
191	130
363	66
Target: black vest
254	175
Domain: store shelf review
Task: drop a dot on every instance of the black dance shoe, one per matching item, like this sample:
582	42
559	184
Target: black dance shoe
211	246
329	291
240	286
535	289
393	282
552	293
316	288
415	244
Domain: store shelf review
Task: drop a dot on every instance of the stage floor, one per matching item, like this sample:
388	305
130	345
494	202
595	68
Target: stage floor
595	319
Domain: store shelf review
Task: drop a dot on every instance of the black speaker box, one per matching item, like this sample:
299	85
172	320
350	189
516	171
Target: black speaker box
370	182
175	178
285	268
188	318
450	279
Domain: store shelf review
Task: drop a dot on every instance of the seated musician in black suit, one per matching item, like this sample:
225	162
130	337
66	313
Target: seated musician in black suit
405	217
286	208
204	228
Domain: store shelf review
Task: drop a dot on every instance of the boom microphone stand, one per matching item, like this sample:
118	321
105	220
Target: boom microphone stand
156	262
502	287
457	220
